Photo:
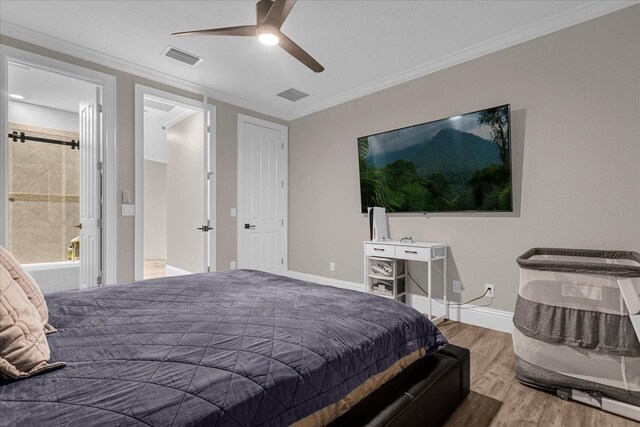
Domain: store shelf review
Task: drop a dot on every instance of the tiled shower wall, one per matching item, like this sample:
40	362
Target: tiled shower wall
44	188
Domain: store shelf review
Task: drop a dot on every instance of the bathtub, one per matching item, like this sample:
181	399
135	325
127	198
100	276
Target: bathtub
55	276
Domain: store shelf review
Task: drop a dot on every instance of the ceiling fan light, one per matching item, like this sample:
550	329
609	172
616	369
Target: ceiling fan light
268	39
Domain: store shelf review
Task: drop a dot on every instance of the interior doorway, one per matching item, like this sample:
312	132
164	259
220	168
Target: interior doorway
174	225
53	124
262	194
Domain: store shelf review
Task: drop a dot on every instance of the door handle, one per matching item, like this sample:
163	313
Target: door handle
249	226
78	226
204	228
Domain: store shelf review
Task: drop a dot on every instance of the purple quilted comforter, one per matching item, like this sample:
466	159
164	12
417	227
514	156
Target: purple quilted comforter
236	348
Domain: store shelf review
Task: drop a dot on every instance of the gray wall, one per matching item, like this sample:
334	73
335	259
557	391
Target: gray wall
185	189
155	210
227	123
575	100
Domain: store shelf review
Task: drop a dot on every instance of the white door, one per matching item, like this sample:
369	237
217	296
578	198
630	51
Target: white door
262	194
210	185
90	190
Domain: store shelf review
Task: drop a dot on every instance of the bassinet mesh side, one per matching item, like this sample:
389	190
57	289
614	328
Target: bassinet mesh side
572	325
573	290
592	330
627	264
615	371
546	379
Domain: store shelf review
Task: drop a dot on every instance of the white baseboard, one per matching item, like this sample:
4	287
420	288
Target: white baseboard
485	317
170	271
325	280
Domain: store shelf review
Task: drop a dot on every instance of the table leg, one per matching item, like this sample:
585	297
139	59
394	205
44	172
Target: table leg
444	279
366	273
429	289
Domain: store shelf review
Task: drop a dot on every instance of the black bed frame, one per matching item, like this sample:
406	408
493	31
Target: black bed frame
424	394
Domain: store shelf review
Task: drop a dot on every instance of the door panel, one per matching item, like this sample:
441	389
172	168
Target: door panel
185	203
210	186
90	190
263	158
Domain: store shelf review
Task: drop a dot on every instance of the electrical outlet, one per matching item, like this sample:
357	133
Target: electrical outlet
232	265
491	293
457	286
332	266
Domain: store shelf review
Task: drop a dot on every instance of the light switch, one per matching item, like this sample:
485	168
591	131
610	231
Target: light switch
128	210
233	212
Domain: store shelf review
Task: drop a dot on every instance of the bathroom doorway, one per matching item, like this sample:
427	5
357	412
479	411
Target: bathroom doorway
173	224
52	181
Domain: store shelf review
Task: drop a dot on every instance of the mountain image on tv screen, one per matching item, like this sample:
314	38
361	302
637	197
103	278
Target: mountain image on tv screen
462	163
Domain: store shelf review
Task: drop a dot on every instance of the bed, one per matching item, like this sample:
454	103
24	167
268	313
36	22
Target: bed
238	348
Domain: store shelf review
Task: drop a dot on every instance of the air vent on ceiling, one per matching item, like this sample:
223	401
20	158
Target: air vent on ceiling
293	94
182	56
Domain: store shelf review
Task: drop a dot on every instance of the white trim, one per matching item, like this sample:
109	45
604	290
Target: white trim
141	92
12	30
284	130
4	149
485	317
549	25
344	284
175	118
108	83
566	19
171	271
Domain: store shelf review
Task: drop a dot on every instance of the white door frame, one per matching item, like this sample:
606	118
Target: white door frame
209	137
108	83
242	119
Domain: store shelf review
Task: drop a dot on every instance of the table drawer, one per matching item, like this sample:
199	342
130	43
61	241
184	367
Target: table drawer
412	252
380	250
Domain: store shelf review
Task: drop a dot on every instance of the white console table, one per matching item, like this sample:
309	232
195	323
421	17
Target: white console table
408	251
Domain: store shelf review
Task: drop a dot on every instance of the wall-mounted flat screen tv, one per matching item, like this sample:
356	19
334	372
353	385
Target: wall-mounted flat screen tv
461	163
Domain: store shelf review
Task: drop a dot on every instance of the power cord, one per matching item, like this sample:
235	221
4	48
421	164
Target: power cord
451	303
472	300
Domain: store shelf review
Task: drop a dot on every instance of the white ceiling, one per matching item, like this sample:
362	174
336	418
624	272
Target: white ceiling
48	89
364	45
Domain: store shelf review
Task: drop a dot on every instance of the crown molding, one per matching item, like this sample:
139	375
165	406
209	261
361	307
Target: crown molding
174	118
9	29
569	18
558	22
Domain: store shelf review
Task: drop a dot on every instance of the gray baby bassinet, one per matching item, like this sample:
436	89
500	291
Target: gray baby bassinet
577	326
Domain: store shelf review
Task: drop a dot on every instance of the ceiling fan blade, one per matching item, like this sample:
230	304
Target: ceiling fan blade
297	52
278	12
242	30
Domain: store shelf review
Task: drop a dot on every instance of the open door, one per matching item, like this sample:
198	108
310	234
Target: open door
91	190
210	185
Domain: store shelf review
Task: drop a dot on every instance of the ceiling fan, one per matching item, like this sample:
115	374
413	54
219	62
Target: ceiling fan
270	17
